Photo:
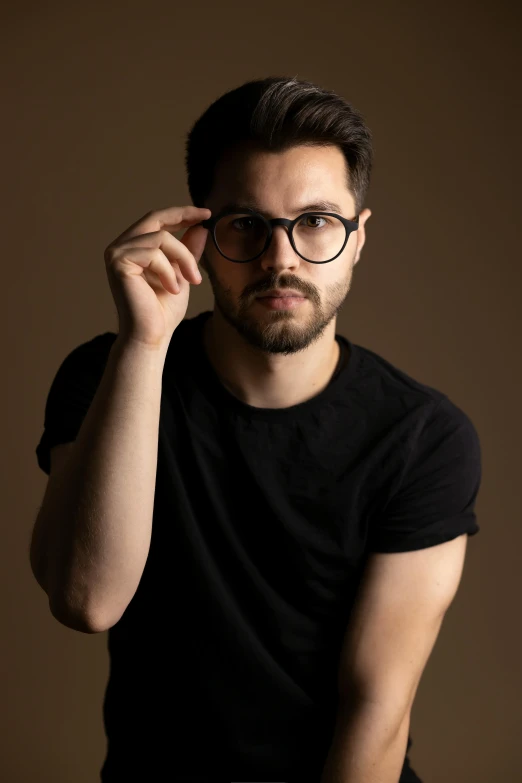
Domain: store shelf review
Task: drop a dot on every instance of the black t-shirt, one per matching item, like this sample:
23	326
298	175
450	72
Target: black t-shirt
224	664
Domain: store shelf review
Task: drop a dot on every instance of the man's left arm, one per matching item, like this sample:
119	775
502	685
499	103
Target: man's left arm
393	627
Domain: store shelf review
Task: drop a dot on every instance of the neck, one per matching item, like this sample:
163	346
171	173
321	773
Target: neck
266	380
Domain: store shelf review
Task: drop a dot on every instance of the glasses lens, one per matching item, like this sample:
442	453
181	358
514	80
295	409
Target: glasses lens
241	236
319	237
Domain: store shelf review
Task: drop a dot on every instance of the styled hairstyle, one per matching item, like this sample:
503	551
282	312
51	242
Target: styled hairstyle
274	115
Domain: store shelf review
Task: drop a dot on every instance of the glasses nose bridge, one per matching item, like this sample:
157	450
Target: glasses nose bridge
286	222
281	222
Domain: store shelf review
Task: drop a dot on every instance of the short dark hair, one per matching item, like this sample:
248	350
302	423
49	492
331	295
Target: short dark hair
275	114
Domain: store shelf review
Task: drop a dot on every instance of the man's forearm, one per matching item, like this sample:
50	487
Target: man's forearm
369	746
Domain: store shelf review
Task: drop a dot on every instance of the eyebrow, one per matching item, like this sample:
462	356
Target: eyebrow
319	206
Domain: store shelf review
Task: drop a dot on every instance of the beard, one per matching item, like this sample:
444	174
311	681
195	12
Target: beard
278	331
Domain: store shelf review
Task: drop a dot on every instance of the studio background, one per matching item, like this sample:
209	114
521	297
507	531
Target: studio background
97	101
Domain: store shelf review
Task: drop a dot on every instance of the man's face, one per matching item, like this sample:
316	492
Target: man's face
279	183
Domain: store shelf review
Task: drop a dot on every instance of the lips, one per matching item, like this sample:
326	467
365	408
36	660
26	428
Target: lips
278	295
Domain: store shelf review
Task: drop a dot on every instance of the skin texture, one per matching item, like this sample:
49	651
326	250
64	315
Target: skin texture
266	358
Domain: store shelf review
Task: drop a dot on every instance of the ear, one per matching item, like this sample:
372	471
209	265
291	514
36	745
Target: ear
361	233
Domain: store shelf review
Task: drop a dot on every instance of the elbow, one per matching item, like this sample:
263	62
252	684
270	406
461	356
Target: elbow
62	610
76	620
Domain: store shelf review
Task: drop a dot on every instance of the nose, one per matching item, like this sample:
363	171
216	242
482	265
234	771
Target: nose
280	254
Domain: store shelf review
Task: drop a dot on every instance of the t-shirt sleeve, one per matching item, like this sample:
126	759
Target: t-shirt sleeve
71	394
435	501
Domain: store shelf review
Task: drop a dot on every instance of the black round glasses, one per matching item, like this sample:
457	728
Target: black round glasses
243	236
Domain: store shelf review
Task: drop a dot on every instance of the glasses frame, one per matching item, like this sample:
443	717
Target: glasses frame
210	224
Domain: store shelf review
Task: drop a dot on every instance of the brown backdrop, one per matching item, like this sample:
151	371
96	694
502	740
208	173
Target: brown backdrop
97	100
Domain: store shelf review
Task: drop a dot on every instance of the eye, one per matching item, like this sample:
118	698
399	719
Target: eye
250	221
315	217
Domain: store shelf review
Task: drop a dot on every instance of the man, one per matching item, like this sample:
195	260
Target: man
312	501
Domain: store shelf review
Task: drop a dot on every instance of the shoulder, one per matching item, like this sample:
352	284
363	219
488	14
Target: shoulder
389	379
91	353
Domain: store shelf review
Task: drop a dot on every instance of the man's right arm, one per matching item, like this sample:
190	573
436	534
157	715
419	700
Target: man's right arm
92	535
